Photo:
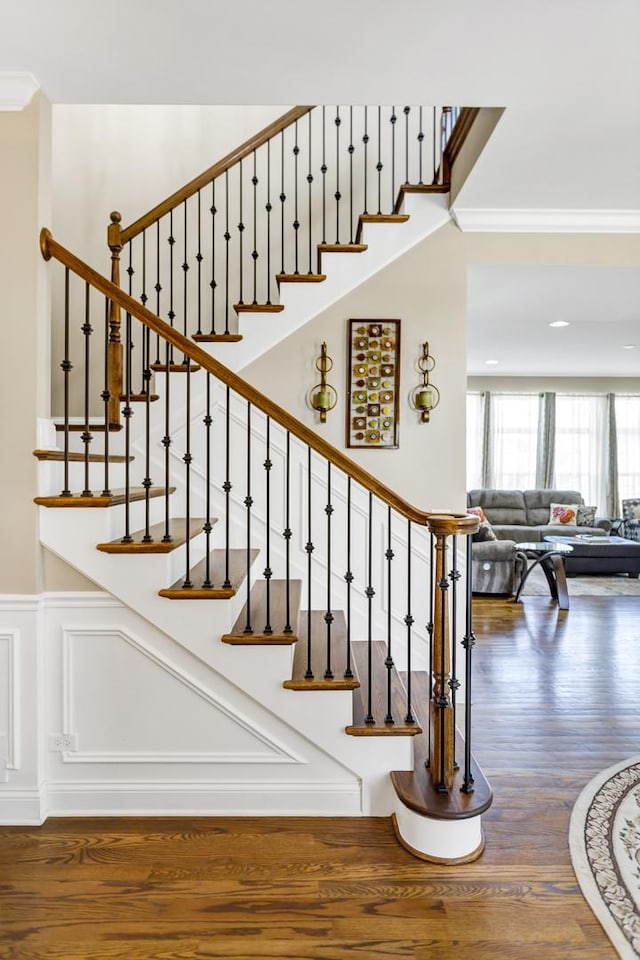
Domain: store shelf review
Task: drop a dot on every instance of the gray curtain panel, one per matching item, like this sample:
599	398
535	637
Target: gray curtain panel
545	460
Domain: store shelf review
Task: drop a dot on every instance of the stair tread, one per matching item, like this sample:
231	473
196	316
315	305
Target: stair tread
379	218
342	247
300	277
237	573
414	787
258	307
319	655
379	696
217	337
72	457
116	498
93	427
140	397
259	614
174	367
177	531
433	188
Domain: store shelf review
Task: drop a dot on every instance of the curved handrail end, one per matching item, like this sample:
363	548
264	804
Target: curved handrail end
45	237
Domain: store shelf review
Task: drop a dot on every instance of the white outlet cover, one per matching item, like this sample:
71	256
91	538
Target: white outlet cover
63	742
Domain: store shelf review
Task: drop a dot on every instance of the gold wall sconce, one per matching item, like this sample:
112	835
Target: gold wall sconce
425	397
322	397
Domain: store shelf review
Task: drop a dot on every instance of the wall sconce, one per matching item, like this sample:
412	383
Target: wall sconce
323	397
425	397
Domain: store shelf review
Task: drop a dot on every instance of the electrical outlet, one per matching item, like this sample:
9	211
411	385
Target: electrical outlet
63	742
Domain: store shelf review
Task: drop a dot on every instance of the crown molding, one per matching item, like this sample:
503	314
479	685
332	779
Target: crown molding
16	90
523	220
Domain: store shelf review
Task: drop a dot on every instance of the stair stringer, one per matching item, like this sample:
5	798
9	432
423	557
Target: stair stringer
305	301
257	671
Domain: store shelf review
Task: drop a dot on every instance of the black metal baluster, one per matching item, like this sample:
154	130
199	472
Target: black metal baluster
365	140
241	235
283	197
146	390
67	367
338	195
351	150
323	171
86	435
213	284
430	627
443	700
370	594
393	120
468	643
309	548
126	413
406	111
158	288
454	683
379	163
185	270
106	397
143	301
254	252
328	617
287	535
348	580
420	143
435	141
409	717
268	573
187	459
171	241
268	208
227	487
389	658
208	526
296	222
309	182
248	502
166	443
199	262
227	238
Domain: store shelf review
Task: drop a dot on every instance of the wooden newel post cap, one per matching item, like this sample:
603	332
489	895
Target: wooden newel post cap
451	525
115	217
114	240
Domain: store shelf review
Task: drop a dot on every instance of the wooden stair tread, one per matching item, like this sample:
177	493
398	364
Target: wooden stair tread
414	787
174	367
258	612
434	188
237	573
258	307
379	218
342	247
139	397
177	531
58	455
217	337
379	696
319	655
300	277
93	427
116	498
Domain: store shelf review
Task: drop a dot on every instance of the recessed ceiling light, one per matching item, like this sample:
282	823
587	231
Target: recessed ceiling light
629	346
491	363
559	323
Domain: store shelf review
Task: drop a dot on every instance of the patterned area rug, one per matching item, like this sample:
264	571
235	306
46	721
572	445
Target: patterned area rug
613	586
604	838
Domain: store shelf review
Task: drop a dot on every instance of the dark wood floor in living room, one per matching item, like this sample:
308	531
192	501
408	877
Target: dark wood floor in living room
555	701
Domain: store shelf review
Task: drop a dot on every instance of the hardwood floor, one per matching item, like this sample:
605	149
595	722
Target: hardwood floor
555	701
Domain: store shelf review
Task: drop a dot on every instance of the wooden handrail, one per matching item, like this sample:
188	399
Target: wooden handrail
459	134
239	153
49	247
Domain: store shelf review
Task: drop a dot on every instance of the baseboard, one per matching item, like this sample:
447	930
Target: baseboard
196	799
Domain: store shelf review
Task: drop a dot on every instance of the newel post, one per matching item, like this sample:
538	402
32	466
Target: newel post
114	241
441	706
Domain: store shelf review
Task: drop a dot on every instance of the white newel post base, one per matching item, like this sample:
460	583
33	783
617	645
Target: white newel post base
439	841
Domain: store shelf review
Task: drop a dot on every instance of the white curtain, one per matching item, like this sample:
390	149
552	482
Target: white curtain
628	436
514	440
581	447
475	430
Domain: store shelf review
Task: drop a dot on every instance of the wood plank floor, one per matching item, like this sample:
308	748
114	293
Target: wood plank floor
556	700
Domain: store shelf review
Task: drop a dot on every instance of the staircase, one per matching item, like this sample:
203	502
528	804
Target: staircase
276	573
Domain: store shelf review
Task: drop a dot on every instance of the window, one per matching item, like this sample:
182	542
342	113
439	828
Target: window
475	432
581	447
628	443
514	440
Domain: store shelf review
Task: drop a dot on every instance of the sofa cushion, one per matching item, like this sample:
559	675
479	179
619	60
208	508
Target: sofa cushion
538	502
520	532
500	506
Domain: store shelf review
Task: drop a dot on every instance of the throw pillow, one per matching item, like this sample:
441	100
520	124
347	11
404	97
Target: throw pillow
477	512
631	509
484	532
562	513
586	516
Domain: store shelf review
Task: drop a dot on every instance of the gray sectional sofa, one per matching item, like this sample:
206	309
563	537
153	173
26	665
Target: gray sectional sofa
523	515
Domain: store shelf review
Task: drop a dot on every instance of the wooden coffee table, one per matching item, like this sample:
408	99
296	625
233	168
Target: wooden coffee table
549	557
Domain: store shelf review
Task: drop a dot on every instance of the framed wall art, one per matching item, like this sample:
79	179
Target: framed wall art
373	384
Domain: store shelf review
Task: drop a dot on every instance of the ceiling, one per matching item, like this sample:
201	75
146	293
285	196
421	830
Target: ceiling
565	155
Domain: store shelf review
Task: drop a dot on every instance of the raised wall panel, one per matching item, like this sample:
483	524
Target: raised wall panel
9	700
